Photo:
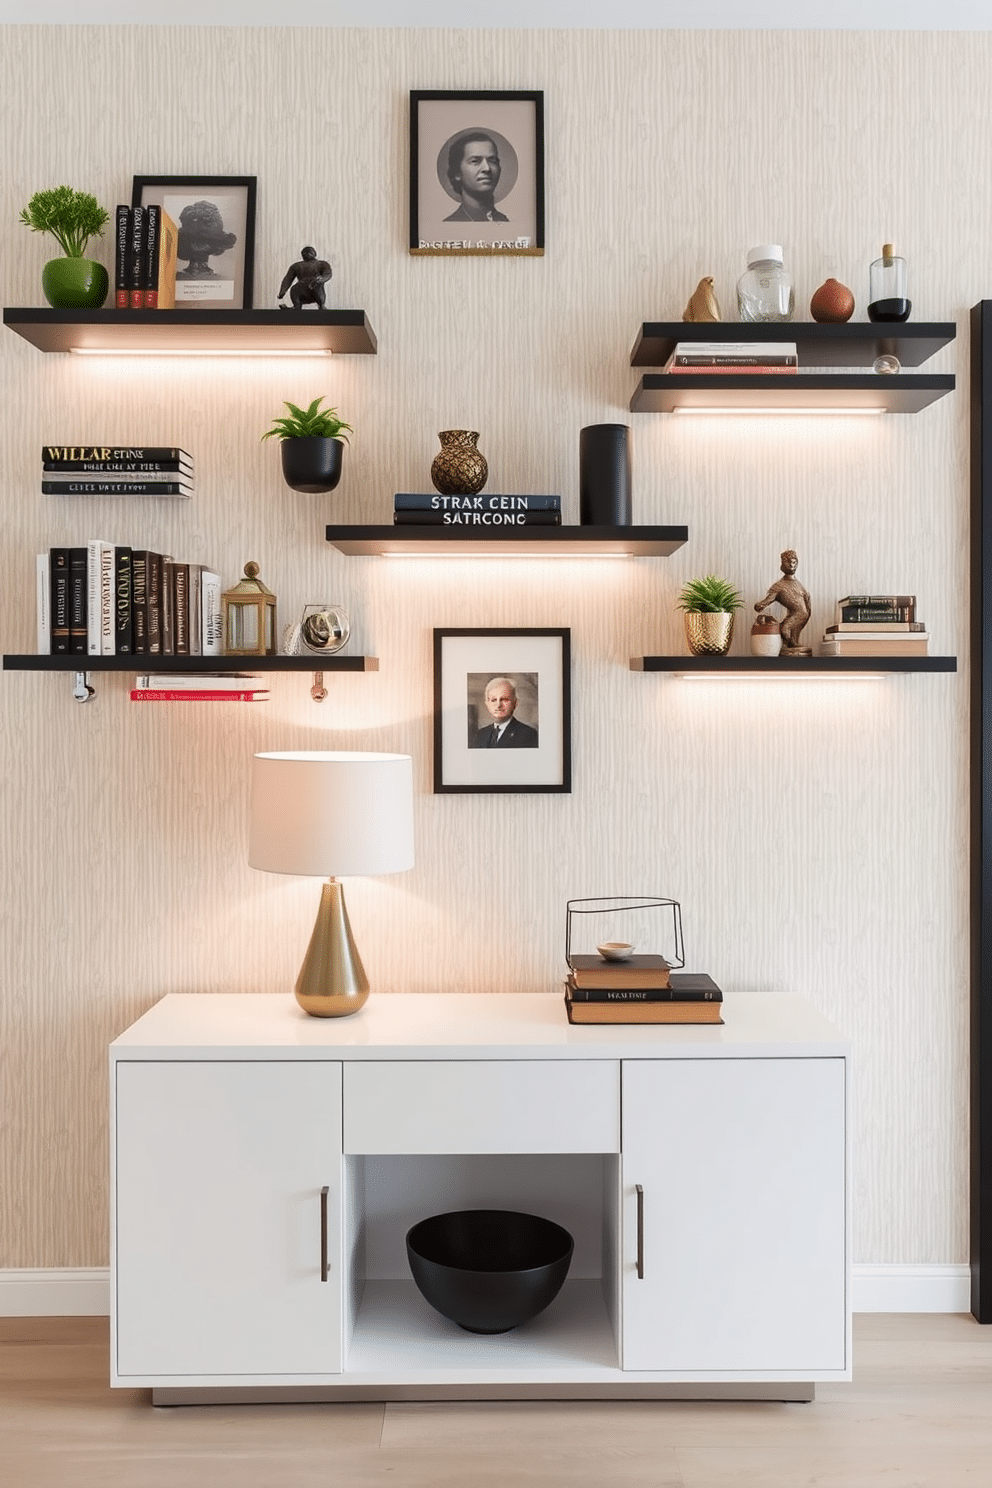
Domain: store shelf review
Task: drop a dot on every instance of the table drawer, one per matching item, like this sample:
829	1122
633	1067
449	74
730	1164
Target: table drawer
482	1106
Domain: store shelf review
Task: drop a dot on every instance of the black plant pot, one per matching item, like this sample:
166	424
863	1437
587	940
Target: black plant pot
312	464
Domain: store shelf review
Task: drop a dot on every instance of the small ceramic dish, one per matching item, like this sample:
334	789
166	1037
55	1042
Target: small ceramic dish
615	950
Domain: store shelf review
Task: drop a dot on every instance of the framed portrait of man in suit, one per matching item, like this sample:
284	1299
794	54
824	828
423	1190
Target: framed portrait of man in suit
501	711
477	173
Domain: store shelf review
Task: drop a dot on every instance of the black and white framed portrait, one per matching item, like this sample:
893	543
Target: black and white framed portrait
501	711
215	217
477	173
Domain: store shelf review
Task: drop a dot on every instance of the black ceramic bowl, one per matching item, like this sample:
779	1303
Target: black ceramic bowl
488	1270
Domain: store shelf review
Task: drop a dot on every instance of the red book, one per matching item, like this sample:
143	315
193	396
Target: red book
197	695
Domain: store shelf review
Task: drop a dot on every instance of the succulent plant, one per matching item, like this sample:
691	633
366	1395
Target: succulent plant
309	423
709	596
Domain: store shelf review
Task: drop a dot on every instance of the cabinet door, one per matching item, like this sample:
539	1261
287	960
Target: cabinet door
218	1222
742	1167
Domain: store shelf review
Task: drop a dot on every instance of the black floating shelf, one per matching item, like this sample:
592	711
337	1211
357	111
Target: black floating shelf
502	542
671	392
854	344
190	665
244	331
797	666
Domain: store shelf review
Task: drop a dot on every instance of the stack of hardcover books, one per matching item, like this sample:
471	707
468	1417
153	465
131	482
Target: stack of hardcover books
108	599
876	625
734	356
115	470
205	687
433	510
642	989
146	250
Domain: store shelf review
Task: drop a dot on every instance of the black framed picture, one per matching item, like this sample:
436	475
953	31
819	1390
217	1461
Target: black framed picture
477	173
215	216
502	702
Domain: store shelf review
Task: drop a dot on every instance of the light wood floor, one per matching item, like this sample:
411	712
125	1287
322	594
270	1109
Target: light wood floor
918	1415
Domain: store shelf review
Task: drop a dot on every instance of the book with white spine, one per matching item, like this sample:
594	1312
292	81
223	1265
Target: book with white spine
96	549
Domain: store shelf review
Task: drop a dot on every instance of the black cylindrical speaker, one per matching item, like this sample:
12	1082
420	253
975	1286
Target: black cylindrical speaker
604	475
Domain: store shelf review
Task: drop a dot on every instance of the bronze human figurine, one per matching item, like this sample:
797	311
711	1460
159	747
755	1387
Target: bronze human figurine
794	599
311	274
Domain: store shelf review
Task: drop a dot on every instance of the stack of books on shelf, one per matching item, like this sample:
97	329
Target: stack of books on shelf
876	625
108	599
642	989
734	356
146	249
485	510
115	470
204	687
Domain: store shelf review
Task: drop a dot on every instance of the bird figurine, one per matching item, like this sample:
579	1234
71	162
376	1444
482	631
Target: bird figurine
702	302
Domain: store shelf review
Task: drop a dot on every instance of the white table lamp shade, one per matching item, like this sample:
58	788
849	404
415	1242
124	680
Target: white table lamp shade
331	815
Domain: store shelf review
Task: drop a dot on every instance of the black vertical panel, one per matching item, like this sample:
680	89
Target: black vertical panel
981	811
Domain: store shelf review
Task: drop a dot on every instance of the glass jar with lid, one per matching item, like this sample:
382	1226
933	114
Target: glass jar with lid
765	291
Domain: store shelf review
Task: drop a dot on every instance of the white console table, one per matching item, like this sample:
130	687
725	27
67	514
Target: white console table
267	1165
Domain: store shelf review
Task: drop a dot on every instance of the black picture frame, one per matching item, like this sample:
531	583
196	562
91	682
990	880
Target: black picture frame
231	278
512	122
534	755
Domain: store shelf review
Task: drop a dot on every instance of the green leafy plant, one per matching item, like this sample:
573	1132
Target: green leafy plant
309	423
709	596
72	218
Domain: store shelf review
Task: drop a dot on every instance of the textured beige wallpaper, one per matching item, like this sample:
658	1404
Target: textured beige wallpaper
815	834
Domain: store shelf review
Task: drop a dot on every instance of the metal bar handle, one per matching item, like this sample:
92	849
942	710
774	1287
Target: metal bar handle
324	1267
640	1231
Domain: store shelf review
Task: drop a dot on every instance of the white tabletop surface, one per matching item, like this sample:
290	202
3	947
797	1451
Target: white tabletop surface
458	1025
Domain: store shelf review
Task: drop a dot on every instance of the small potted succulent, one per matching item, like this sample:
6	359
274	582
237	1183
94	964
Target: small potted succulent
708	607
311	446
72	217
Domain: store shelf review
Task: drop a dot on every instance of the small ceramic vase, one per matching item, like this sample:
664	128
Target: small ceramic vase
766	638
832	304
709	633
459	468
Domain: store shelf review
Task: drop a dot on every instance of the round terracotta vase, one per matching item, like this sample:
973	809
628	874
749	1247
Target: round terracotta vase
459	468
312	464
709	633
75	283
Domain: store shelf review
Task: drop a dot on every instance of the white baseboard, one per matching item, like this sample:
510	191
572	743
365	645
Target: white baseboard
70	1292
911	1289
86	1292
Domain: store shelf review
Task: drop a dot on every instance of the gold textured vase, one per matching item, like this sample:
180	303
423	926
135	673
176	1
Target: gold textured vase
459	468
709	634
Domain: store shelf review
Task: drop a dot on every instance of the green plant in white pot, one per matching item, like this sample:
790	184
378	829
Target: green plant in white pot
311	446
72	218
708	607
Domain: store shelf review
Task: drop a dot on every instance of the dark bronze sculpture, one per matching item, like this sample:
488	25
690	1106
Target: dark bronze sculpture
311	274
794	599
201	237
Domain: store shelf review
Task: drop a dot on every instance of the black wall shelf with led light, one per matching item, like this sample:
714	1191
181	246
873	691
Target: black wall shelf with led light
169	332
798	666
849	347
507	542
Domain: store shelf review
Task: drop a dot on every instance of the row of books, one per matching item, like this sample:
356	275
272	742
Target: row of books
641	989
774	357
203	687
115	470
429	509
876	625
108	599
146	246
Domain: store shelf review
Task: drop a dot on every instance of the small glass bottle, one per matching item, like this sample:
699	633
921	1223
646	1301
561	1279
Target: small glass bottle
887	288
765	291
